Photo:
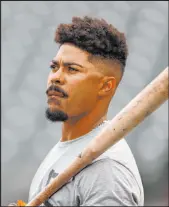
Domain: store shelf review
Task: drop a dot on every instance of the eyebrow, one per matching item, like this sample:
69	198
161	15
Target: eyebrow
66	63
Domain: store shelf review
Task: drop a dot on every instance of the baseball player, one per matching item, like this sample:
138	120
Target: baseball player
84	75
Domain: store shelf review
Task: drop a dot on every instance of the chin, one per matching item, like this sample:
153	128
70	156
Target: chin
55	115
53	107
53	102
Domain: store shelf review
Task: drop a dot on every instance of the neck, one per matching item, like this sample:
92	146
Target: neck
73	129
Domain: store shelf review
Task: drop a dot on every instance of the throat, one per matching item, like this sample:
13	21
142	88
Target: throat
82	127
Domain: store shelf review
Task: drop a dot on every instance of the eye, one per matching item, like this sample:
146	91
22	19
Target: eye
53	68
72	69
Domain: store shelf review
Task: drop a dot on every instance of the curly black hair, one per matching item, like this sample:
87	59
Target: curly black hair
96	37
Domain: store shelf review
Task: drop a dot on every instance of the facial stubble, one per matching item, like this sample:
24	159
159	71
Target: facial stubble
56	115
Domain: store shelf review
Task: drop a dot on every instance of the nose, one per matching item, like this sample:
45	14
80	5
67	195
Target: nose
58	77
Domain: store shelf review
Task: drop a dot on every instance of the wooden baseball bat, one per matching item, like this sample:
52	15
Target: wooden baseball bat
147	101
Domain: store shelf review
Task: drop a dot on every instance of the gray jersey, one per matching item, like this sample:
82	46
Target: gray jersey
112	179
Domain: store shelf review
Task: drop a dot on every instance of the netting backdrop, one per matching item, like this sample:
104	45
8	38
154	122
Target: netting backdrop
27	48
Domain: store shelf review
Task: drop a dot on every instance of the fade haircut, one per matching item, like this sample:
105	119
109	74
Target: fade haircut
95	36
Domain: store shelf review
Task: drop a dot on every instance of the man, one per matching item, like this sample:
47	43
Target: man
84	76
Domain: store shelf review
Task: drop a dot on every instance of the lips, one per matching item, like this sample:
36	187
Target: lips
55	93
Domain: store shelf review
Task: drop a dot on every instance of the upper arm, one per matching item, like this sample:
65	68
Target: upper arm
107	183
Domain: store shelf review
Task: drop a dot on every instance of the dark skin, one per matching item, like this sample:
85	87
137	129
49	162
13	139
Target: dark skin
90	84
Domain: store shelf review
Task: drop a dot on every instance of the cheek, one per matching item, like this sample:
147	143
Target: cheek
75	86
82	91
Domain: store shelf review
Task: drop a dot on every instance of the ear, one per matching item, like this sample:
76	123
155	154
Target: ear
107	86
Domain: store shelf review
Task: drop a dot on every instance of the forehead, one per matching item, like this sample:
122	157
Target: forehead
70	53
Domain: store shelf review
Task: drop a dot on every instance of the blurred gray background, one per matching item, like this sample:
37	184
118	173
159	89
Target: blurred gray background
27	48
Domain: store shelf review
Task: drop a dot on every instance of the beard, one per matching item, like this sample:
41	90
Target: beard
56	115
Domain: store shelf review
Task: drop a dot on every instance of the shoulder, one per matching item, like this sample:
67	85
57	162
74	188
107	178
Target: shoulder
111	179
106	169
116	161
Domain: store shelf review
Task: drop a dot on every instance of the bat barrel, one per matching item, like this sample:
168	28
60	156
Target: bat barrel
146	102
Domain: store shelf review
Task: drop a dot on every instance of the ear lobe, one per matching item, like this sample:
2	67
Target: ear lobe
108	86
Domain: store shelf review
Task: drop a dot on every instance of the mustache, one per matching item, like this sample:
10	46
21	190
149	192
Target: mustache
57	89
